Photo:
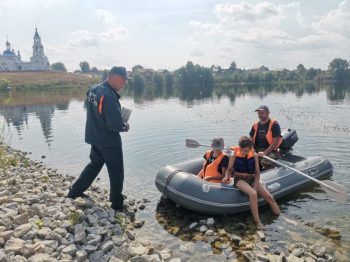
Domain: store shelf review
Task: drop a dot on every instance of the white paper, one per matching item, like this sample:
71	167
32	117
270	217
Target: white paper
126	114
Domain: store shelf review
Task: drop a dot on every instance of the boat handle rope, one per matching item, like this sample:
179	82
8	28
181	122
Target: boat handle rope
168	178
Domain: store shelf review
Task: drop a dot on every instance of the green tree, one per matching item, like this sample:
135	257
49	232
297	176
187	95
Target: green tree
339	69
301	70
84	67
138	84
59	66
233	66
94	69
158	83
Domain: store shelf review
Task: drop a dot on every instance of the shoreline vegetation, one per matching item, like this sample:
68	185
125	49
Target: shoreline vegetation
38	81
38	223
190	78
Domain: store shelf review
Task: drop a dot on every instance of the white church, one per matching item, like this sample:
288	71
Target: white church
10	61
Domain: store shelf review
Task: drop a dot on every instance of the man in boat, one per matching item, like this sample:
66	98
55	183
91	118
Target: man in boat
103	125
266	136
216	162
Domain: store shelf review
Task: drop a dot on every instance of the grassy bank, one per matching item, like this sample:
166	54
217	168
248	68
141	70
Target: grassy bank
44	80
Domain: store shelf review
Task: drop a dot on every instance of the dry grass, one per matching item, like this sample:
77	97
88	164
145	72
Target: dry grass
46	80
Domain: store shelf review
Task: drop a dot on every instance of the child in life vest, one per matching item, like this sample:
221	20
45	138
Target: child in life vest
244	167
216	162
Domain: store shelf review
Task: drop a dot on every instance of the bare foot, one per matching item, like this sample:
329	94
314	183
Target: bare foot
260	226
289	220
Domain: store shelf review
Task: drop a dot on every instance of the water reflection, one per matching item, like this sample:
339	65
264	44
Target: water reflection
335	91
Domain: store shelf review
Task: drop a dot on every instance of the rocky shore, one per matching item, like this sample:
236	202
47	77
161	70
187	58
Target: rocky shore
39	223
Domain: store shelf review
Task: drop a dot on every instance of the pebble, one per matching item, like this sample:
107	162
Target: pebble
318	250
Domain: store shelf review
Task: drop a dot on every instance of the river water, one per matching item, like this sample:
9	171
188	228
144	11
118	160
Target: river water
51	124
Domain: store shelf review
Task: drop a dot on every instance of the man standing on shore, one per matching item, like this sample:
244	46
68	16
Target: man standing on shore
103	125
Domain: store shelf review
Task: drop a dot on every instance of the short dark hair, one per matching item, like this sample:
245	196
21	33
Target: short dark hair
245	141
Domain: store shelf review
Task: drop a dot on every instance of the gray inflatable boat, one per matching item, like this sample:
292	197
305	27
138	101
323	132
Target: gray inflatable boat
180	184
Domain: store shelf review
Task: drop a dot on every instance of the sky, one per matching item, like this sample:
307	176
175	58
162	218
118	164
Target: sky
165	34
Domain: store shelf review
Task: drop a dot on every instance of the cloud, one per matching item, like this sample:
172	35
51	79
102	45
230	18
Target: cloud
246	12
197	53
336	21
106	17
82	38
114	33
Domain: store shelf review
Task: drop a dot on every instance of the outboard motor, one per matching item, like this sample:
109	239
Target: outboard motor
290	137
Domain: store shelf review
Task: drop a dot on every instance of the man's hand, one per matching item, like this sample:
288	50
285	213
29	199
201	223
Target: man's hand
126	127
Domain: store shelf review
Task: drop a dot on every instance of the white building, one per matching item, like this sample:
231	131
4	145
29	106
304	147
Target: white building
10	61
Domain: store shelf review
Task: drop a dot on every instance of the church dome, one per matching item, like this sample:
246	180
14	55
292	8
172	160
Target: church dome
8	52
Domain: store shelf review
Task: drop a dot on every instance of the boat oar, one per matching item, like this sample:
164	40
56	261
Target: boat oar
194	144
334	190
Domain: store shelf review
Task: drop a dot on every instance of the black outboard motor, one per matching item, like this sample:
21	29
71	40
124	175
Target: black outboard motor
290	137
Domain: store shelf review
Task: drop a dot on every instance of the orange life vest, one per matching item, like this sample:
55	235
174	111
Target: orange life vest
269	136
211	169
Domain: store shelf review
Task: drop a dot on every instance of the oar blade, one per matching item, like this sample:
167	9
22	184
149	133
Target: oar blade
192	143
338	192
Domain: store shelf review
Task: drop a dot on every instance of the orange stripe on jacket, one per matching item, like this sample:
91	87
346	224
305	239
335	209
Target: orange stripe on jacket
269	136
211	169
100	103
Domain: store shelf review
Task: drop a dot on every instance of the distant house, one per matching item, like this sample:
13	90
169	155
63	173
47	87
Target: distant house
10	61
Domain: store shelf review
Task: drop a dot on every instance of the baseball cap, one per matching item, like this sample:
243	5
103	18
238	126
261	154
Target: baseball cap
217	143
119	70
262	108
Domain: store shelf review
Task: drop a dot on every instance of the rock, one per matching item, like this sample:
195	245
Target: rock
261	235
80	202
3	257
137	249
15	245
6	234
318	250
93	240
96	256
22	230
262	258
90	248
298	252
138	259
197	237
2	229
106	247
21	219
203	229
79	234
118	240
248	256
130	235
70	250
234	238
81	255
218	244
292	258
44	232
309	259
209	233
123	254
42	258
210	222
193	225
308	254
139	224
114	259
91	219
6	222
